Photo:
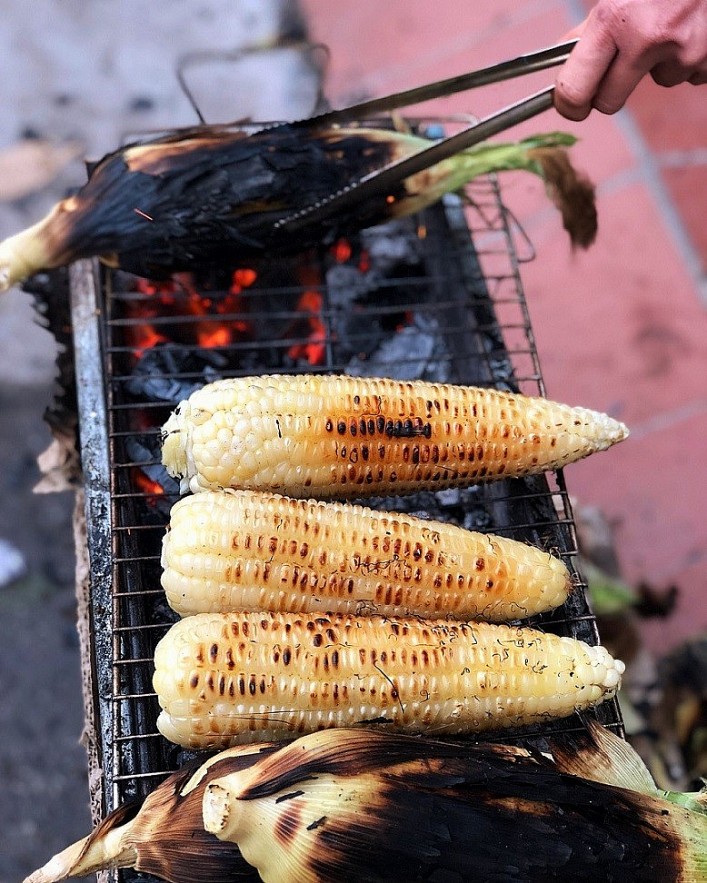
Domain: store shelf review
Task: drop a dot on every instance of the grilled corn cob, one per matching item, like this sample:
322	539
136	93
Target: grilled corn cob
211	195
328	436
246	550
368	805
227	678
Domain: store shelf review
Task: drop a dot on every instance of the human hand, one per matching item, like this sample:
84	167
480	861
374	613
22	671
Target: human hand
623	40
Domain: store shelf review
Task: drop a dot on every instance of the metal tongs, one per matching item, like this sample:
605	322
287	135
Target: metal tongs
379	181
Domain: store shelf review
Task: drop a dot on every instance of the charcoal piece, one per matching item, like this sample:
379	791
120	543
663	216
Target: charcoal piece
393	245
366	307
502	372
162	613
416	352
171	372
145	452
345	285
478	519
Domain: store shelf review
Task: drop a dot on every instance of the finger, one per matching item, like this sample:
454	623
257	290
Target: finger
580	76
670	73
619	81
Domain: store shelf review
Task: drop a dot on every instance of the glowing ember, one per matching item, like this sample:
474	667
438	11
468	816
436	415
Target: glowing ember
313	351
165	291
143	337
146	485
243	277
218	335
341	251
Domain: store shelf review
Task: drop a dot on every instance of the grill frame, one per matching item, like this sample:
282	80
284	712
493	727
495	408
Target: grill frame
485	239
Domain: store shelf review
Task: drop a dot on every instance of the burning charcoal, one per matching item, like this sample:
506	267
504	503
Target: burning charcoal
471	497
500	365
345	285
151	477
162	613
451	497
355	329
144	449
158	376
477	519
423	504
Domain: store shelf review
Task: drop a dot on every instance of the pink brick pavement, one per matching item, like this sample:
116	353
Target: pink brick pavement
622	327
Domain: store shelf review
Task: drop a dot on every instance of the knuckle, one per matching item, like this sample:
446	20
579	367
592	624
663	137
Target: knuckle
667	76
613	16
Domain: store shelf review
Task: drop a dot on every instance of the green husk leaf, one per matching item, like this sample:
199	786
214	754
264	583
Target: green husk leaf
607	594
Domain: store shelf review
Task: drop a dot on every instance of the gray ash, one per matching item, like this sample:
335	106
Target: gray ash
170	372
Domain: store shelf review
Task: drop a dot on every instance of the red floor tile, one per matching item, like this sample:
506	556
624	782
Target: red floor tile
687	185
670	119
620	327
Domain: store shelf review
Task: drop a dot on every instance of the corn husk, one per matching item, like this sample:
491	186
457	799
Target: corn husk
211	196
371	806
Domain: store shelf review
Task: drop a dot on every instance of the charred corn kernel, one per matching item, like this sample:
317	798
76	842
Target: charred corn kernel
247	550
237	677
329	436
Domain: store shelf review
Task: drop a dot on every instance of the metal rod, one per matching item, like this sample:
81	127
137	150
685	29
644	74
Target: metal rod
505	70
378	182
89	367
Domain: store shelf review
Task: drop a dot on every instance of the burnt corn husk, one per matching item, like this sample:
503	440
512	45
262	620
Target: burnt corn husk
372	807
164	834
211	196
359	805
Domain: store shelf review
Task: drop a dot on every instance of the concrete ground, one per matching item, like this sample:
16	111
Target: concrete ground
621	328
86	74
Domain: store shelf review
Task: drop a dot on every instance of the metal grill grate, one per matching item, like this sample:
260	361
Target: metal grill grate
456	313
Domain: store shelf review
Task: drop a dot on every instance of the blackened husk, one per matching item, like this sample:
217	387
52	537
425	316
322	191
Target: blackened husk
481	813
170	839
214	198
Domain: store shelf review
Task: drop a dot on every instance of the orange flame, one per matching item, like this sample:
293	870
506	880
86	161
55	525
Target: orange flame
146	485
144	337
314	350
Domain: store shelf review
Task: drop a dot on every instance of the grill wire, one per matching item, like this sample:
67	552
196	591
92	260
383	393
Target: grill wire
461	305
